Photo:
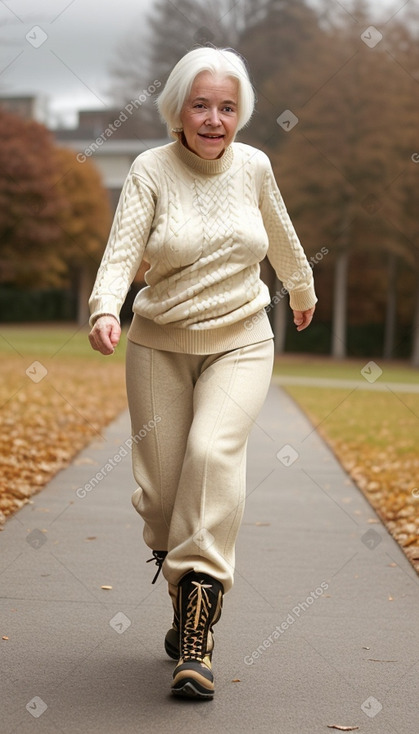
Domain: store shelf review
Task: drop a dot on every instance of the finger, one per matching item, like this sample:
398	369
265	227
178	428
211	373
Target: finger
100	339
298	317
93	342
115	334
307	318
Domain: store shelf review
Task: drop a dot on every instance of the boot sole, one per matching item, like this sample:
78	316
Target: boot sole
191	689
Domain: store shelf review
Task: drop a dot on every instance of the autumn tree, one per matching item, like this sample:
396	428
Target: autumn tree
280	44
54	212
340	162
30	204
84	223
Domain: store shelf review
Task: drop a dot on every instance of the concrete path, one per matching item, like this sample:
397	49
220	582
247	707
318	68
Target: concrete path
320	629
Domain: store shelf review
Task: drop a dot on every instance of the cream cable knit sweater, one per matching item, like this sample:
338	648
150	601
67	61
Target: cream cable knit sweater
204	226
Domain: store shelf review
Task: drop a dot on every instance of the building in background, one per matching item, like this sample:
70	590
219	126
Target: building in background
111	137
29	107
110	142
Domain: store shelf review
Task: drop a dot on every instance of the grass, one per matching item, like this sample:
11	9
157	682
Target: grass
53	341
378	419
309	366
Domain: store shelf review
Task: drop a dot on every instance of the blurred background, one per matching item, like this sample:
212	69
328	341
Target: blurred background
337	112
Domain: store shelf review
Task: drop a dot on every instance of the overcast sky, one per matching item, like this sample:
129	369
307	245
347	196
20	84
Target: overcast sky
63	48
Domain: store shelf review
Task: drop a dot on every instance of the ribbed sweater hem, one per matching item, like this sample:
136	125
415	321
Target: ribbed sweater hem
253	329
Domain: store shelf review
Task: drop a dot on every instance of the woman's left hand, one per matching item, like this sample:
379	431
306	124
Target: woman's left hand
302	319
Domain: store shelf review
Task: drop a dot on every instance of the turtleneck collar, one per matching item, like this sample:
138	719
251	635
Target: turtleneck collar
204	165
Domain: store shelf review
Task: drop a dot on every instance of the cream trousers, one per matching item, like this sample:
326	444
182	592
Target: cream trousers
191	416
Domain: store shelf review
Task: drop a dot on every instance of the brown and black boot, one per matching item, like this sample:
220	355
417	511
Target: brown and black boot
200	598
171	641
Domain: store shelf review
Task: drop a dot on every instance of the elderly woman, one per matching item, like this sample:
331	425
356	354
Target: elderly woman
203	211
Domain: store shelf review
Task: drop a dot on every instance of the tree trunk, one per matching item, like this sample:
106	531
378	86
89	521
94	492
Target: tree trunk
391	307
339	305
415	341
85	285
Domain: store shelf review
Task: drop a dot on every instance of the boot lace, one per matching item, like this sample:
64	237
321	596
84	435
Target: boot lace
197	615
158	557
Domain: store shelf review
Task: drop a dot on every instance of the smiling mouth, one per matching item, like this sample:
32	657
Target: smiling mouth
210	137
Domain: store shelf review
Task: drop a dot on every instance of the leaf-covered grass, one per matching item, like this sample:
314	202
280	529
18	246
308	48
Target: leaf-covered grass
45	422
375	436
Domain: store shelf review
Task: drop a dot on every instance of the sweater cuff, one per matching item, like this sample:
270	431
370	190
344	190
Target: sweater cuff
303	300
103	306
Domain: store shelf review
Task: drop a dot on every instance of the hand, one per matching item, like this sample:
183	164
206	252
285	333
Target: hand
302	319
105	334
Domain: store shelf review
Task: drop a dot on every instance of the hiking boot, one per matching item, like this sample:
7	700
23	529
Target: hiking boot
171	641
199	603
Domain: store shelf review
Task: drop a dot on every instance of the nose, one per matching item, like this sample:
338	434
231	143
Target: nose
213	117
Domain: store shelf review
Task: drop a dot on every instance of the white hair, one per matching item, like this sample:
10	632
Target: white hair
218	61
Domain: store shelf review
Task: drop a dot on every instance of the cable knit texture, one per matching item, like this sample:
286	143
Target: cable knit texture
203	226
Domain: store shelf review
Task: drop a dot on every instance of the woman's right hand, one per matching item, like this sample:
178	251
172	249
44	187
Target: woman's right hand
105	334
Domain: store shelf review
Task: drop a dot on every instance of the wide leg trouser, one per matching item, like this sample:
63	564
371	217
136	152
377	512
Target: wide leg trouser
191	416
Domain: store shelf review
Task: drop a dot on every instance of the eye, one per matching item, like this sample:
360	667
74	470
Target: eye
228	109
199	105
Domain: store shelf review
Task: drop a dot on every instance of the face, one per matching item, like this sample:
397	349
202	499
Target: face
209	115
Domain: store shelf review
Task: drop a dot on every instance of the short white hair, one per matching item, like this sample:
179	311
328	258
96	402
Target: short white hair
219	61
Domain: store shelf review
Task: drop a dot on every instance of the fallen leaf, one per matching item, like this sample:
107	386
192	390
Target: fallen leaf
342	728
236	680
4	637
43	430
107	588
92	537
410	541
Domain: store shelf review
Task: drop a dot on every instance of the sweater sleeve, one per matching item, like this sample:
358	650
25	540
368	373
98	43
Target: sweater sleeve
125	249
285	252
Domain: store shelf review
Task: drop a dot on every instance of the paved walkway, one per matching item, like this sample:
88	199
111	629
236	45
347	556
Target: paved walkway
320	629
